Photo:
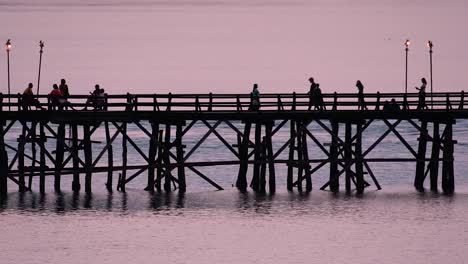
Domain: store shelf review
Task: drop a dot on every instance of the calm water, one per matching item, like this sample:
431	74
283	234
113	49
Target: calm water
225	46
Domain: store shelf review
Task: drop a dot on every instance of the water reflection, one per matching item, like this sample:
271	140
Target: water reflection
248	203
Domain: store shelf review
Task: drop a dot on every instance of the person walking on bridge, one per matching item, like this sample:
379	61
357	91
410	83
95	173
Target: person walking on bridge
361	102
311	93
422	94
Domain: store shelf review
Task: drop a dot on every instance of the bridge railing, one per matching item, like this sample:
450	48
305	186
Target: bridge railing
231	102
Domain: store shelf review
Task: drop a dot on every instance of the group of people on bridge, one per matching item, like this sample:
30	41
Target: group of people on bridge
60	94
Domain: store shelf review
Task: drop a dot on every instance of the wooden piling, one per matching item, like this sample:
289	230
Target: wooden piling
300	161
305	156
241	182
153	149
360	183
334	180
292	143
434	168
159	173
255	184
42	160
348	156
421	163
180	159
166	159
88	160
262	179
271	162
21	145
448	181
110	158
3	162
123	175
32	132
59	152
76	186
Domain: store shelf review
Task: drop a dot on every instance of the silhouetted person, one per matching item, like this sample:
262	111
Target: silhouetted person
28	98
422	94
312	99
64	89
255	98
94	97
57	99
319	103
361	102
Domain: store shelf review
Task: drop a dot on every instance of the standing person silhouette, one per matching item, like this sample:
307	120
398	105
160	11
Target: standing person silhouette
318	97
312	99
64	89
361	102
255	98
422	94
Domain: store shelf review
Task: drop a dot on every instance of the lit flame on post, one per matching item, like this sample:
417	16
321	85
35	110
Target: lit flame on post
407	43
8	45
429	44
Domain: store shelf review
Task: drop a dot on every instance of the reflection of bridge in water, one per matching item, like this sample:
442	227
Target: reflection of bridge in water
167	158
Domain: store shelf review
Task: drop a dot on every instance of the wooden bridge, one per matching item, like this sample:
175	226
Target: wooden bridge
168	158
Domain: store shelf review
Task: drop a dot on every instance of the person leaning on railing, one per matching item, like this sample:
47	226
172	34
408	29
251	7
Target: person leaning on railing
361	102
422	94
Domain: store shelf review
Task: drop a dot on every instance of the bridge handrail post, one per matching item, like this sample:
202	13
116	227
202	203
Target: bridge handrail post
293	107
106	101
280	104
405	102
239	106
129	104
462	100
169	102
197	104
19	103
155	103
210	105
135	103
335	101
448	105
377	103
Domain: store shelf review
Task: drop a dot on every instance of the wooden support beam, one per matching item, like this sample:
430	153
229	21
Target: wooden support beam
434	163
262	179
255	184
21	143
166	159
334	180
241	182
159	172
448	182
42	159
203	176
59	153
76	186
359	160
180	160
88	158
348	156
300	160
33	150
305	156
421	163
270	159
292	143
123	175
3	164
153	150
110	156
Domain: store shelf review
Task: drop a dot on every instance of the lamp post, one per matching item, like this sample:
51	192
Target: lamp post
430	45
8	48
407	43
41	46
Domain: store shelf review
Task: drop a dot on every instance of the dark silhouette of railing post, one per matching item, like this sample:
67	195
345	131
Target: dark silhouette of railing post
462	100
